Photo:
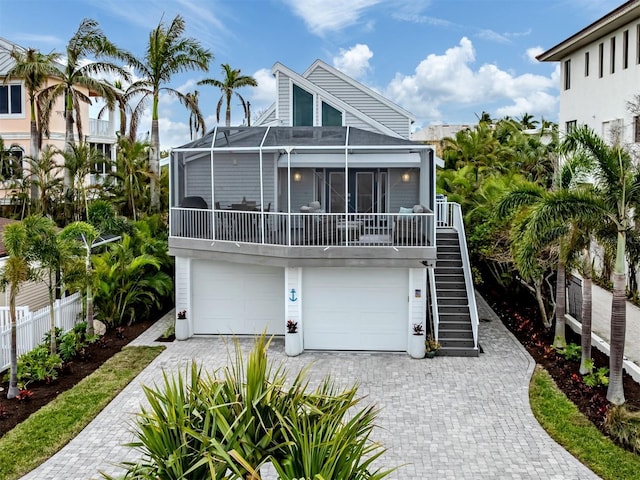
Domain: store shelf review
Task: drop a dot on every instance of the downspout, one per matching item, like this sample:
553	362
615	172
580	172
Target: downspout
346	186
288	150
262	187
213	189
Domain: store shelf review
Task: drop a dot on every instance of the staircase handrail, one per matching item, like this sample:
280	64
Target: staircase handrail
434	302
458	224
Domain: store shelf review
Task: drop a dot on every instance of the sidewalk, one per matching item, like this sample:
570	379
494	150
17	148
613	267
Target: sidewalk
601	326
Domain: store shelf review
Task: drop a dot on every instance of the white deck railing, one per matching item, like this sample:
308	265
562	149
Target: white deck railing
305	229
32	326
450	215
434	302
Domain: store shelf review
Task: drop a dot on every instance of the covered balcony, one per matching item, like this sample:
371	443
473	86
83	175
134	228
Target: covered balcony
304	193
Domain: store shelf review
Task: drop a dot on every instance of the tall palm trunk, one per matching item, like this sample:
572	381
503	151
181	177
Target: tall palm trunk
13	375
537	283
34	152
587	297
154	166
89	330
52	318
615	392
68	144
560	339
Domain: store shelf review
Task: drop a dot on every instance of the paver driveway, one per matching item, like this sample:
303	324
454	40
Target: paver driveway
446	418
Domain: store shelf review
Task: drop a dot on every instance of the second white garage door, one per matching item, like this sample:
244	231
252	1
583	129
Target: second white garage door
231	298
355	308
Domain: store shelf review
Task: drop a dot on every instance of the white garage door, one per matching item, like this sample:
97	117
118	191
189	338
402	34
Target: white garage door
355	308
230	298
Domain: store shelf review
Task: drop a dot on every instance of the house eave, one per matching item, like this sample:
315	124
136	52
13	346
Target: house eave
613	20
299	256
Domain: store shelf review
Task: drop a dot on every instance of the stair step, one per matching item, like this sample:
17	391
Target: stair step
449	256
456	309
446	235
458	352
455	318
456	342
455	283
441	249
448	263
449	292
445	334
453	301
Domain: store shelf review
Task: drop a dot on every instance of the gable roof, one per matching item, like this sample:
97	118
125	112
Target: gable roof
312	87
368	91
613	20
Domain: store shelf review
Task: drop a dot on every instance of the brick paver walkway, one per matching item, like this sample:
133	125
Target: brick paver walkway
446	418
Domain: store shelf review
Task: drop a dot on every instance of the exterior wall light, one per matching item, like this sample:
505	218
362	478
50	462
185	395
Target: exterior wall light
406	177
297	176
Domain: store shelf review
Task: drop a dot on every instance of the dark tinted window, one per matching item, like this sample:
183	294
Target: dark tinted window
302	107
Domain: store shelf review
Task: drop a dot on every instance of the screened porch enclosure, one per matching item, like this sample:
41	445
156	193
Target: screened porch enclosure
325	186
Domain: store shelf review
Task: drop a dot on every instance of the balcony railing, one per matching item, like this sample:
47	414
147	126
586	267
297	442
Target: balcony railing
100	128
305	229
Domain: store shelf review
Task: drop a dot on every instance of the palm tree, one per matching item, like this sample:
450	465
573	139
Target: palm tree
79	159
232	81
78	78
51	252
167	54
33	68
617	183
196	121
16	271
132	176
44	171
85	235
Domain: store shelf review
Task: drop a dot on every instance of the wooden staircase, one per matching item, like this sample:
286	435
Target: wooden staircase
455	332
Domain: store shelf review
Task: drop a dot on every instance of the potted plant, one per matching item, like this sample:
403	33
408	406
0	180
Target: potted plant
292	339
182	325
416	341
432	346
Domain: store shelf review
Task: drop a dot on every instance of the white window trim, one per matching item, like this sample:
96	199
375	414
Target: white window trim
314	102
344	114
22	101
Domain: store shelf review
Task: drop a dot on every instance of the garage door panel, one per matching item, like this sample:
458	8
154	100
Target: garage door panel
237	299
355	309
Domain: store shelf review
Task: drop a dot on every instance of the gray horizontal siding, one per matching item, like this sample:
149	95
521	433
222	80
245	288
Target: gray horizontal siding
284	100
353	121
34	295
402	194
236	177
360	100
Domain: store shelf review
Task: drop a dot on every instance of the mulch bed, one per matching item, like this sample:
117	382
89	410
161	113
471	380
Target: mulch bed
12	412
524	323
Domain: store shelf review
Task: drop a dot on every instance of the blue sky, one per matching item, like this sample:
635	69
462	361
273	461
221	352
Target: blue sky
444	60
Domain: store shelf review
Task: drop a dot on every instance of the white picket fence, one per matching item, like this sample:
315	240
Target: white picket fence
32	326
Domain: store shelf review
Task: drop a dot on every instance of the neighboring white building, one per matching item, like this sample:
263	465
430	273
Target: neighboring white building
324	214
600	74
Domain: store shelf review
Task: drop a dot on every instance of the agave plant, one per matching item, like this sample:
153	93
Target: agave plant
228	424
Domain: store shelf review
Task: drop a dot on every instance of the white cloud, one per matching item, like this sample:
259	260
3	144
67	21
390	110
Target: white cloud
265	93
354	61
542	103
487	34
533	52
322	16
449	80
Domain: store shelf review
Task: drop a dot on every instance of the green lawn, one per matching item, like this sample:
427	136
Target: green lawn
53	426
567	426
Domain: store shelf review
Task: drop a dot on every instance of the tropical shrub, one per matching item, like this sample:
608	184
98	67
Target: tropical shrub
39	365
228	424
623	425
128	286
